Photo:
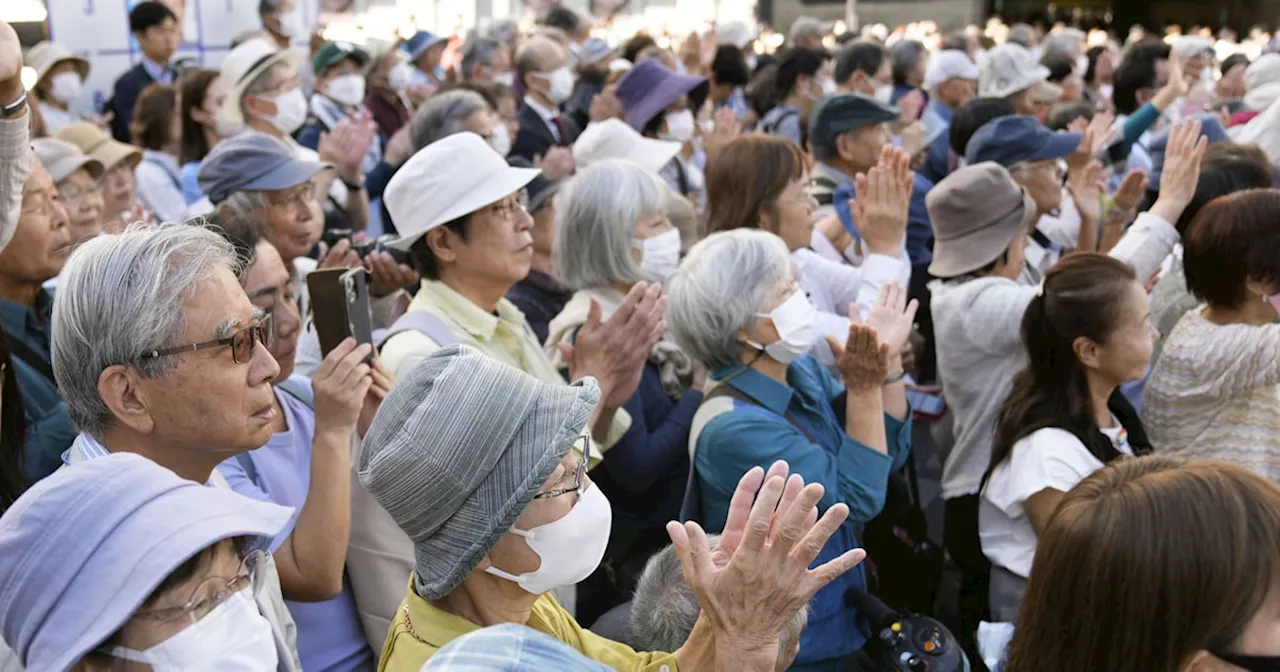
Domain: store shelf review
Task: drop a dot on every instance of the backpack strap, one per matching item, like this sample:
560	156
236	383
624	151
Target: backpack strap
423	322
773	126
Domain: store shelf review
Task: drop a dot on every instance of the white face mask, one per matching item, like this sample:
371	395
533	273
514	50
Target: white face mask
400	76
507	78
1106	90
347	89
570	548
660	255
291	111
794	319
65	87
884	93
291	23
561	81
224	126
234	637
1082	65
500	139
680	126
828	87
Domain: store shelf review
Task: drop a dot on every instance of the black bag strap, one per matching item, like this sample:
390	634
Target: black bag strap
773	126
32	358
682	177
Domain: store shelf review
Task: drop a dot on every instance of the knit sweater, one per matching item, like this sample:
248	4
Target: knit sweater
1213	394
978	326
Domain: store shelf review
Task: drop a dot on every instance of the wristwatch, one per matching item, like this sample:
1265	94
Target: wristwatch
895	377
14	108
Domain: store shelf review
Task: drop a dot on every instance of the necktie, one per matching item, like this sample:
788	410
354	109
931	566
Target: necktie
564	137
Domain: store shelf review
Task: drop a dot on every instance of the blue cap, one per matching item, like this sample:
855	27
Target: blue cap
83	549
420	42
1210	127
1011	140
252	162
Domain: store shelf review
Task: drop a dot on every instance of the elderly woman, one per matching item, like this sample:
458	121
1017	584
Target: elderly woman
78	179
494	531
120	206
736	307
183	561
662	104
613	233
1213	393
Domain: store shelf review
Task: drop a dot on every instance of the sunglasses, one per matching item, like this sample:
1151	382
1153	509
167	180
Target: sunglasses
242	342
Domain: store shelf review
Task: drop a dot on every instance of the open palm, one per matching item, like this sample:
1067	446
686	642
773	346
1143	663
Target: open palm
892	316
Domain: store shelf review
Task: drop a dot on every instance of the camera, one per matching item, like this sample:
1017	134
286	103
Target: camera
332	237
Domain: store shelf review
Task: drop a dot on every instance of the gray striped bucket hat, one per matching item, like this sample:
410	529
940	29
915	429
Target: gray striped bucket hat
459	448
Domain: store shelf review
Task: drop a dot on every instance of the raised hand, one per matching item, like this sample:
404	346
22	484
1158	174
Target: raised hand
1086	187
724	129
1132	189
10	65
892	316
386	276
614	351
1182	157
913	138
340	386
863	360
557	163
881	204
399	147
910	105
1097	134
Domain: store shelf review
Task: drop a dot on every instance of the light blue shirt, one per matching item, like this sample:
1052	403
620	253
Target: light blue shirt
160	73
330	636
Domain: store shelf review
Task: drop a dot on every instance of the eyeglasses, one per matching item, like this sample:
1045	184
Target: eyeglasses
510	206
299	197
210	593
242	342
583	444
74	196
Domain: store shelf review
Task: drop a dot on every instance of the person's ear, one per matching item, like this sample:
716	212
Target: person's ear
121	391
1086	350
443	244
1202	661
1255	287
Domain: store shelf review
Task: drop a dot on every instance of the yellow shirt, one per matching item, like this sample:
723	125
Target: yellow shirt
433	627
505	337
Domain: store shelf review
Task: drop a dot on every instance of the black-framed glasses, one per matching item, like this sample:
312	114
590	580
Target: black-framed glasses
583	444
242	342
211	592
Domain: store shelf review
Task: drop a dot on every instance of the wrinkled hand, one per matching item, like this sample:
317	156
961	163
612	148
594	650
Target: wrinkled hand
382	381
1086	189
604	106
910	105
399	147
614	351
1132	189
340	386
758	577
558	163
346	144
386	276
1182	157
1097	134
341	256
892	316
883	198
724	129
863	360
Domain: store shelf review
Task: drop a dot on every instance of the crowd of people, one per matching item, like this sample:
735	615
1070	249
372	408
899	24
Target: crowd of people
655	333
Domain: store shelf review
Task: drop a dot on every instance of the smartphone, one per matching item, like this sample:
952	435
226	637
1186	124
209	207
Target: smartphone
340	306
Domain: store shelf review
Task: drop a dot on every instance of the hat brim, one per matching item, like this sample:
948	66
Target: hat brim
1040	75
1058	146
231	105
202	516
82	67
536	201
958	256
653	154
661	97
112	152
63	168
506	183
286	176
422	48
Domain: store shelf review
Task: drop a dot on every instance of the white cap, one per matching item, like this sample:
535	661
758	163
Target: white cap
45	55
449	178
614	139
1008	69
243	65
1186	46
734	32
946	65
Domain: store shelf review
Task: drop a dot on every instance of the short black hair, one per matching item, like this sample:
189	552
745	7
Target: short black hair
729	66
1062	114
795	62
563	18
1232	61
1060	65
973	115
639	42
242	232
859	56
148	15
1136	72
424	260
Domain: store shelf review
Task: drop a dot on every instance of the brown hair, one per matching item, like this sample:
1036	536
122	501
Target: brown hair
1233	239
153	115
1145	562
745	178
194	88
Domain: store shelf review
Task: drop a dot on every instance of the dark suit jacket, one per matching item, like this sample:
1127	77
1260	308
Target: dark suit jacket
124	96
534	138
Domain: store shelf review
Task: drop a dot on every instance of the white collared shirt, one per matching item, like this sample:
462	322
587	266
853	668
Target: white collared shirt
548	116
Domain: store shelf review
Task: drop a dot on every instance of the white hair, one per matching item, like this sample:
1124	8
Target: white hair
247	203
121	296
443	115
665	608
596	212
726	279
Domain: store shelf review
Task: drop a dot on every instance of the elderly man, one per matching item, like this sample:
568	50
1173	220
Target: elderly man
306	464
1012	71
266	97
542	66
495	531
951	80
257	177
809	32
485	62
453	112
467	233
159	352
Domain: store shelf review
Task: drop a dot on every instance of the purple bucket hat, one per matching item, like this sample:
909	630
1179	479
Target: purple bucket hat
649	88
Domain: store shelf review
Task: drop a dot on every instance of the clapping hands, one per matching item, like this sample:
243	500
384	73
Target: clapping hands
1182	157
883	199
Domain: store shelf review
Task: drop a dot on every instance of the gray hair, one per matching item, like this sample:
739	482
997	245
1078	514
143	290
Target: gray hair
905	56
443	115
1067	40
596	212
664	608
247	203
258	85
1022	34
121	296
726	279
479	51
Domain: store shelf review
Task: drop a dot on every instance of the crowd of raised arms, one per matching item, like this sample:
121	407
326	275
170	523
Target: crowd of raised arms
654	342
